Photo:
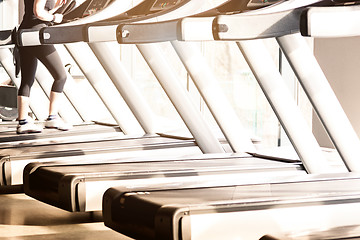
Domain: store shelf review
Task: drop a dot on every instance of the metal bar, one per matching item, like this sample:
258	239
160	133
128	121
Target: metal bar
103	86
202	133
125	86
271	82
75	96
210	90
322	98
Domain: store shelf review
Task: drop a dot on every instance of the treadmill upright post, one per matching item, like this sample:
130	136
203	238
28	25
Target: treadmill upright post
98	79
289	115
323	99
128	90
210	91
75	97
204	137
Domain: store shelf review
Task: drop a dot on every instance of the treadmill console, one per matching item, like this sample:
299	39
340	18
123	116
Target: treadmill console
253	4
163	4
346	2
87	8
151	7
95	6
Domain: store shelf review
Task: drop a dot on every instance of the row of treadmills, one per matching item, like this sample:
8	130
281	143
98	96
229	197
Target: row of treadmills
199	186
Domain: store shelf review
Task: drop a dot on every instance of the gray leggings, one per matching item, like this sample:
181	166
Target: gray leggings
48	55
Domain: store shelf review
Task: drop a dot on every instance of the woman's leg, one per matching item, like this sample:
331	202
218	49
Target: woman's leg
48	55
53	121
28	69
55	102
23	107
52	61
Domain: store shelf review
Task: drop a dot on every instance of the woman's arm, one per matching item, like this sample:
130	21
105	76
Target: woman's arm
45	15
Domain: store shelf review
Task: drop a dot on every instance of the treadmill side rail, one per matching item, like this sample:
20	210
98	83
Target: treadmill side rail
5	170
28	37
322	207
196	29
74	201
100	33
147	32
57	35
243	27
173	222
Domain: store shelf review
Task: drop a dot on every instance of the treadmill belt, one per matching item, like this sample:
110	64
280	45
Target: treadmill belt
320	207
75	148
80	187
11	166
9	134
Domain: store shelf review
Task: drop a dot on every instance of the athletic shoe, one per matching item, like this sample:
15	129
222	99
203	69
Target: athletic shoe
29	127
57	123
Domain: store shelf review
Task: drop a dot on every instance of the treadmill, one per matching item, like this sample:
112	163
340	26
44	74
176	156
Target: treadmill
41	75
75	150
104	175
311	77
303	207
217	212
80	132
105	31
85	9
177	97
268	77
79	188
100	151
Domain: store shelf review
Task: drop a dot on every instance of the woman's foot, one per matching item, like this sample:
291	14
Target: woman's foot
53	121
26	126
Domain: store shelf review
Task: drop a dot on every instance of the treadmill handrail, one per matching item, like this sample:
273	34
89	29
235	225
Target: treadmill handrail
324	22
32	37
178	11
130	32
193	7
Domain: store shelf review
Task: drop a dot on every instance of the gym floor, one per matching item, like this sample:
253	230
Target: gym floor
22	217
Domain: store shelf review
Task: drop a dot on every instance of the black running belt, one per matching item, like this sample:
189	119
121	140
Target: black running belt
81	187
125	142
9	135
315	207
